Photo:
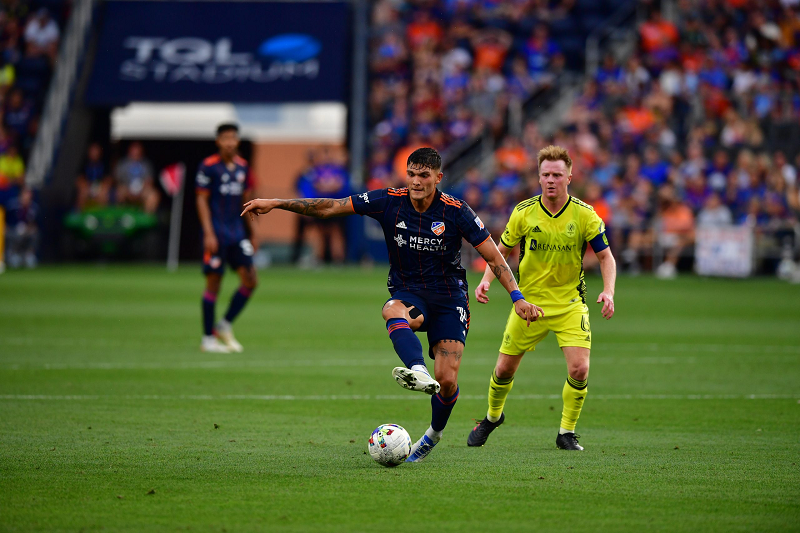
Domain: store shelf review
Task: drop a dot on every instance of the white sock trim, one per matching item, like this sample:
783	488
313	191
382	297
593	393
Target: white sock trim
491	418
435	436
561	431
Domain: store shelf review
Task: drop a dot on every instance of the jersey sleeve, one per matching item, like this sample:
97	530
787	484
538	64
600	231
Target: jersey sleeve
471	226
595	232
203	180
513	232
370	203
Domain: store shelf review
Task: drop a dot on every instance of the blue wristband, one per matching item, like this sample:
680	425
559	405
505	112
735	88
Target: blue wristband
516	295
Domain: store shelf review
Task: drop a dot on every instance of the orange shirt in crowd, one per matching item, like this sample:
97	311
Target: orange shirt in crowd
490	55
658	35
513	158
639	119
420	32
603	210
677	218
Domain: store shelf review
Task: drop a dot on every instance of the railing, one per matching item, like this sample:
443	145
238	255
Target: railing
59	94
615	27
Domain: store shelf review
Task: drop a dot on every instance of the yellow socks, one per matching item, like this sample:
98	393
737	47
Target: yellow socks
574	394
498	391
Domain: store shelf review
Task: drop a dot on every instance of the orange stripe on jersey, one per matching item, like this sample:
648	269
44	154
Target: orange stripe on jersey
398	192
484	240
212	159
351	204
446	198
240	160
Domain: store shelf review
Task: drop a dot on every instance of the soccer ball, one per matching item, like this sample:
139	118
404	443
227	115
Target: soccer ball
389	444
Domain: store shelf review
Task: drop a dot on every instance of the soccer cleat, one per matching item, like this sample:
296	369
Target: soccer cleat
481	432
420	449
415	380
568	441
213	345
225	334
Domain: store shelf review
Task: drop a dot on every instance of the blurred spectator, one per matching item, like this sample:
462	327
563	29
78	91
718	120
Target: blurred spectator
714	213
41	36
326	178
18	115
657	35
94	183
675	230
12	175
134	180
22	233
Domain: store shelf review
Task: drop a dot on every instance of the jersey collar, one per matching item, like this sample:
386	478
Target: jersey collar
551	215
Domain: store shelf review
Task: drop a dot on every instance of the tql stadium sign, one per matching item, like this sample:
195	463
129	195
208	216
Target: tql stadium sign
221	51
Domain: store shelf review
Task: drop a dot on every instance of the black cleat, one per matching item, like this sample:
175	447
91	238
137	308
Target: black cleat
568	441
481	432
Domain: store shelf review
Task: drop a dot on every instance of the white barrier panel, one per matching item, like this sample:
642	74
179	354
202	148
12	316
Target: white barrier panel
724	251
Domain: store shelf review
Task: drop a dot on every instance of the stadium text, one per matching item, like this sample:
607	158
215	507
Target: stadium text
202	61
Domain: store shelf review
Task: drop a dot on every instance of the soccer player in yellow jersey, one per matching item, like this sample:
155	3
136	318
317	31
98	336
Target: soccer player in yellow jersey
553	231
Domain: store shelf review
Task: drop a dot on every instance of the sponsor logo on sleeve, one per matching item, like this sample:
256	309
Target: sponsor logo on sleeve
364	196
479	222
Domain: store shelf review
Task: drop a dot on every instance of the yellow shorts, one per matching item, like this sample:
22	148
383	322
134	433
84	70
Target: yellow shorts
571	329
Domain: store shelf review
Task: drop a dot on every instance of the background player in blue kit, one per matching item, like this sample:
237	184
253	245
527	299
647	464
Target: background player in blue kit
223	182
423	228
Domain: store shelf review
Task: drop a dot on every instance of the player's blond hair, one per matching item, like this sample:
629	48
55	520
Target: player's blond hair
555	153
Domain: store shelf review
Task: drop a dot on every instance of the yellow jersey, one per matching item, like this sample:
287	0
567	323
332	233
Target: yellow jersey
551	251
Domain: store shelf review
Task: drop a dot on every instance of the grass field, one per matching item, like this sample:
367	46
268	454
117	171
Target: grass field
111	419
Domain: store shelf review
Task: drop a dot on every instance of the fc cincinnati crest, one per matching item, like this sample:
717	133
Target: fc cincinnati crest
437	228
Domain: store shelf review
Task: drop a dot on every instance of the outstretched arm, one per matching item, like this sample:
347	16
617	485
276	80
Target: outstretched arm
313	207
608	268
496	263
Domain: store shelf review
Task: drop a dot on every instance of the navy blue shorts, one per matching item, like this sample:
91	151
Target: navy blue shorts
445	317
235	255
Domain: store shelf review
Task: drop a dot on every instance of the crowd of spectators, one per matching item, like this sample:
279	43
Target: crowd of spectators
699	126
131	183
443	71
29	37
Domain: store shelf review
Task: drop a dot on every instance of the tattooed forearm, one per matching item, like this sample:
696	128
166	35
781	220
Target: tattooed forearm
315	207
499	270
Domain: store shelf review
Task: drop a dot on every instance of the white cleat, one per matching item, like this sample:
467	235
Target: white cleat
225	334
415	380
213	345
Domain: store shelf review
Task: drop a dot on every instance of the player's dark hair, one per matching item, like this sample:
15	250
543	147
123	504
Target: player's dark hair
228	126
425	158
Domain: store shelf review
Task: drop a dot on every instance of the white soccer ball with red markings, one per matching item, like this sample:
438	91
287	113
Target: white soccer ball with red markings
389	445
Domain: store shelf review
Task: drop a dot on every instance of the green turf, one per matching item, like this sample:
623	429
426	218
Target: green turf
111	419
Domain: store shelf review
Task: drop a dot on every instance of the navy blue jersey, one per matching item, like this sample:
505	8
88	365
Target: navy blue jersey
225	187
424	248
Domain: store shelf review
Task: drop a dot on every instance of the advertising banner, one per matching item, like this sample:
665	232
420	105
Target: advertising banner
724	251
178	51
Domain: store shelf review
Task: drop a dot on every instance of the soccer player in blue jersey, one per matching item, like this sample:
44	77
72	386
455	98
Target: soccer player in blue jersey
423	229
223	182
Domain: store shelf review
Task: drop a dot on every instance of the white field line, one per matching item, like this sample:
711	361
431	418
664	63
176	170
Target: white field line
604	347
532	359
391	397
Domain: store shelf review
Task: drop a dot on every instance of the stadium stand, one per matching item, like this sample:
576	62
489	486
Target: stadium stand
29	37
702	117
